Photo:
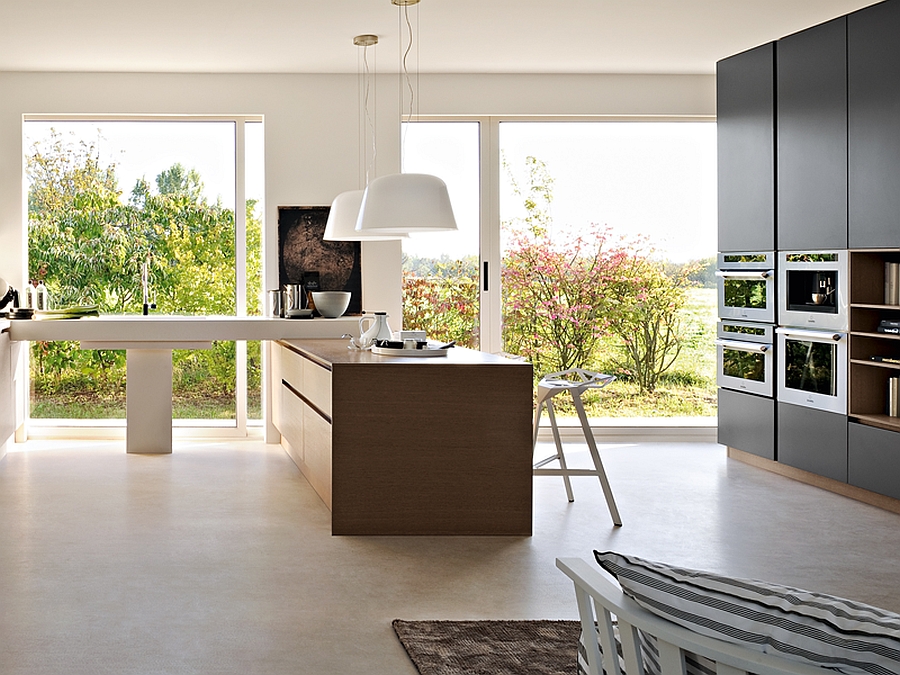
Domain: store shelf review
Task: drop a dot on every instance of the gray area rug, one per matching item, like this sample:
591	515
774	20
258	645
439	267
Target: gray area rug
490	647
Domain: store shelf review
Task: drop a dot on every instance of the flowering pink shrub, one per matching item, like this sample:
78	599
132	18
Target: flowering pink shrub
563	292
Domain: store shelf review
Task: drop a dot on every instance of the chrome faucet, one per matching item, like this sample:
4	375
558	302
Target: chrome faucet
145	288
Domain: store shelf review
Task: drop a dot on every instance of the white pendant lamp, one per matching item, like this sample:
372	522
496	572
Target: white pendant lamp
406	203
341	224
344	212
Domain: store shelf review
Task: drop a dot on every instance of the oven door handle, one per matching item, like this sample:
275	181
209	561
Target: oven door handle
811	335
737	274
744	346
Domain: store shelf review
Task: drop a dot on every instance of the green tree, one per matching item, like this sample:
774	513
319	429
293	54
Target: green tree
87	245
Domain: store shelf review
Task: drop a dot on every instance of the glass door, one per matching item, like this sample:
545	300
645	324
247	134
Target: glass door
441	271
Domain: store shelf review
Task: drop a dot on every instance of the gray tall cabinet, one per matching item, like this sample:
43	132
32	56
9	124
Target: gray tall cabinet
811	122
835	178
745	114
873	63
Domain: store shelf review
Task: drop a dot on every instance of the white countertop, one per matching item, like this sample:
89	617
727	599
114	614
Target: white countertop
168	329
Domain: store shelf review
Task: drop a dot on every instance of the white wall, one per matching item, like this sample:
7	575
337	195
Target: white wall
311	130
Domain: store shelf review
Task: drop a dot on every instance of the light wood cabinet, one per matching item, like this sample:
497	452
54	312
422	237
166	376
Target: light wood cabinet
392	445
7	393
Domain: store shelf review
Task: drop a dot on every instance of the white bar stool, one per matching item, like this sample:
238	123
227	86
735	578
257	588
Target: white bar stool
575	381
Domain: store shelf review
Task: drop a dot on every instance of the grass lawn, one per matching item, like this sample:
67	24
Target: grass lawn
687	389
91	405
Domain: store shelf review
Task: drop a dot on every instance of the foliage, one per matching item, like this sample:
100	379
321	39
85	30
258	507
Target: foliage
701	273
87	244
646	318
570	298
445	302
562	294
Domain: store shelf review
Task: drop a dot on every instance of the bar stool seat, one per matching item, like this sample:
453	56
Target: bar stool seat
575	381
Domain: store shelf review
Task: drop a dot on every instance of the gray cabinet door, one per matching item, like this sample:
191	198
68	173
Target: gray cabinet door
873	66
874	459
813	440
747	422
811	76
745	113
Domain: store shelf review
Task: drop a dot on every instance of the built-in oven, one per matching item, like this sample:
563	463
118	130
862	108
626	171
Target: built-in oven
745	358
746	286
813	289
812	368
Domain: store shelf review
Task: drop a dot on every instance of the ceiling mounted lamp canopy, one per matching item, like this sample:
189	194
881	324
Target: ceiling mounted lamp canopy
406	203
344	212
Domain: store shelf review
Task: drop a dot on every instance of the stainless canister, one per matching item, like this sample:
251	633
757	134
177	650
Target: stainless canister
294	297
893	396
276	304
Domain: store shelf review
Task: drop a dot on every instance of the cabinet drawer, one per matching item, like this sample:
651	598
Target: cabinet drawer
291	420
317	453
317	385
873	461
812	440
292	368
747	422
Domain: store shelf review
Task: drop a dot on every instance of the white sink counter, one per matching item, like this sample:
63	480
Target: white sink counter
176	329
149	341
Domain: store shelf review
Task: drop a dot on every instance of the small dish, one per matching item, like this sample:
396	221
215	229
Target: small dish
299	314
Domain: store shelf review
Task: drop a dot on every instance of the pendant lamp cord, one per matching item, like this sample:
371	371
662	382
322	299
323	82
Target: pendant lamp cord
370	117
404	60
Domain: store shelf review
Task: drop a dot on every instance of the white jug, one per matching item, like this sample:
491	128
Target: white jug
377	330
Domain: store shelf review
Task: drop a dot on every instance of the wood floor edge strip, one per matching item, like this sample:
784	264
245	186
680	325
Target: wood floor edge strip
829	484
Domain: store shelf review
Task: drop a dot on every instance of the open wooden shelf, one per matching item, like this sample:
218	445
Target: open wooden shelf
875	364
868	379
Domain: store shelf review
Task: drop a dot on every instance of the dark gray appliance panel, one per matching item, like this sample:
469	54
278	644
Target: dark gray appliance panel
813	440
811	103
873	67
874	459
747	422
745	99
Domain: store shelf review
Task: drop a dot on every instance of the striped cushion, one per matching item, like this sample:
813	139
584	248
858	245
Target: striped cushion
813	628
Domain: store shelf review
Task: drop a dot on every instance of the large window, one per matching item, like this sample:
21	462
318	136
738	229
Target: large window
596	247
441	270
106	196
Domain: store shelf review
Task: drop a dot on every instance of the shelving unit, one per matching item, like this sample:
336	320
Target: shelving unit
869	379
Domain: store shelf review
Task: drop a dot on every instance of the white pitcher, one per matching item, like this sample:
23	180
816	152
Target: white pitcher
377	330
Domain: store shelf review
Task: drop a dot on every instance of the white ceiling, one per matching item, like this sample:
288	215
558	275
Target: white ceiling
458	36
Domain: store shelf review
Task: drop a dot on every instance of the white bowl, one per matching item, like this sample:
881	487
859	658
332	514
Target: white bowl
331	304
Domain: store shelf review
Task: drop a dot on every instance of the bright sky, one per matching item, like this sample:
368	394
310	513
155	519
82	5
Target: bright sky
145	149
650	178
656	179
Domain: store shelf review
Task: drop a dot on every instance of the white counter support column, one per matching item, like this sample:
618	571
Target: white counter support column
149	401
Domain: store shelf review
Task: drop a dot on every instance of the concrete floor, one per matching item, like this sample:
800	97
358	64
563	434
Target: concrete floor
219	558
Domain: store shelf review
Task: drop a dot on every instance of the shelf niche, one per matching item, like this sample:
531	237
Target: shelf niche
868	378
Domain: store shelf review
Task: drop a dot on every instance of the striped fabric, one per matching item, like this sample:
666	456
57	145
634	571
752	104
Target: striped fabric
813	628
694	663
582	662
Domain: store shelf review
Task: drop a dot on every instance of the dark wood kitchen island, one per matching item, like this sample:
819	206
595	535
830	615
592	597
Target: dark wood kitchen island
409	445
